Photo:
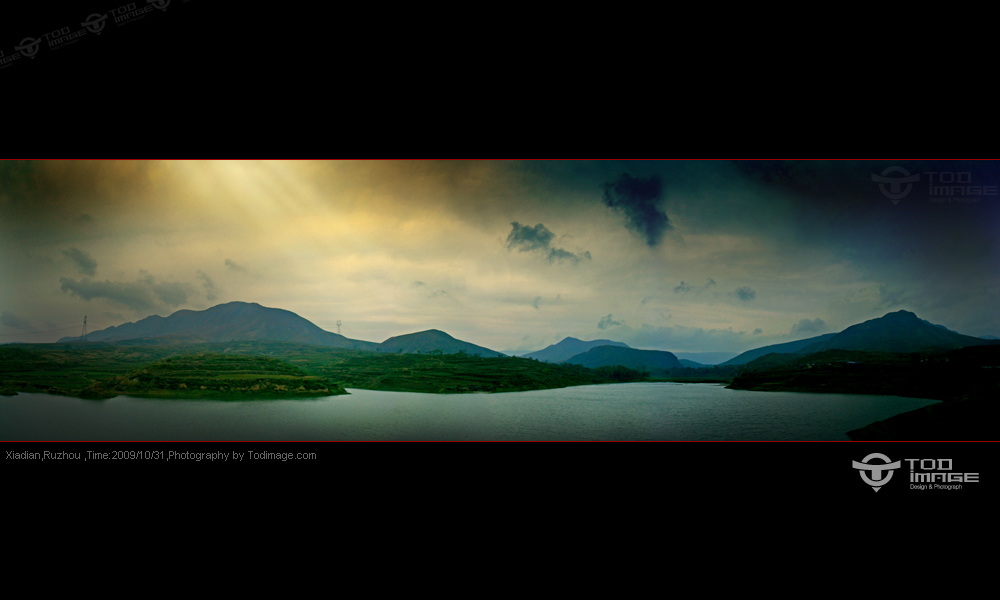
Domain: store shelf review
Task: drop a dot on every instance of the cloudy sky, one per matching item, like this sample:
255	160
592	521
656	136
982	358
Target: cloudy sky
685	256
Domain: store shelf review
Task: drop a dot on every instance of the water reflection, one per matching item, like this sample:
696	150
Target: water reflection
637	411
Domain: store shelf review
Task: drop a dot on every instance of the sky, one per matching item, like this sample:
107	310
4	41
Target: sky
684	256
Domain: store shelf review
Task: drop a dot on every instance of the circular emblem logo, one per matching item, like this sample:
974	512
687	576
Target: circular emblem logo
95	23
876	480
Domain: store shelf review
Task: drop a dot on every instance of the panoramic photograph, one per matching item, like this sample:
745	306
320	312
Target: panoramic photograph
499	300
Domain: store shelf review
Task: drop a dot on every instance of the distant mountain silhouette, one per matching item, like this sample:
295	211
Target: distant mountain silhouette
227	322
609	356
786	348
900	331
705	358
690	364
432	340
568	348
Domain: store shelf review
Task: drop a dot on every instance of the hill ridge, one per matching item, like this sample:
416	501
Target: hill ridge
433	340
633	358
250	321
569	347
230	321
897	331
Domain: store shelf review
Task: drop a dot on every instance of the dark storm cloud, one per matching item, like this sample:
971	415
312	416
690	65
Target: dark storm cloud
82	259
134	295
745	293
210	288
638	199
560	254
816	325
11	320
170	293
539	238
144	294
41	195
608	321
526	238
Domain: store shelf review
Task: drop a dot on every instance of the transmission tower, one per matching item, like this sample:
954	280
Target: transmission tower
83	334
338	326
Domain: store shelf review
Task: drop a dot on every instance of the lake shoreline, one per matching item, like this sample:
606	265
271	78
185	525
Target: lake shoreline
647	411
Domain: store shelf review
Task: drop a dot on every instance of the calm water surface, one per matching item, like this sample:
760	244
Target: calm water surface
634	411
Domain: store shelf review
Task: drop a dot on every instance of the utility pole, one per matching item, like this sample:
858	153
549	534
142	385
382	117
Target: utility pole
83	334
338	326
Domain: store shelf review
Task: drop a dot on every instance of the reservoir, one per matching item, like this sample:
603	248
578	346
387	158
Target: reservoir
619	412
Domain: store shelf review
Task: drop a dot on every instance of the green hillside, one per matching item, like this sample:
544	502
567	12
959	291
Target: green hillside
211	375
276	368
653	361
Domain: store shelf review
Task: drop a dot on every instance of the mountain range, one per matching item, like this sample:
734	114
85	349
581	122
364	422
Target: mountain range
568	348
242	321
225	323
786	348
900	331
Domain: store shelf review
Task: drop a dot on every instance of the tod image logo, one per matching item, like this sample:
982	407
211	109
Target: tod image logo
925	473
29	47
895	183
876	480
95	23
